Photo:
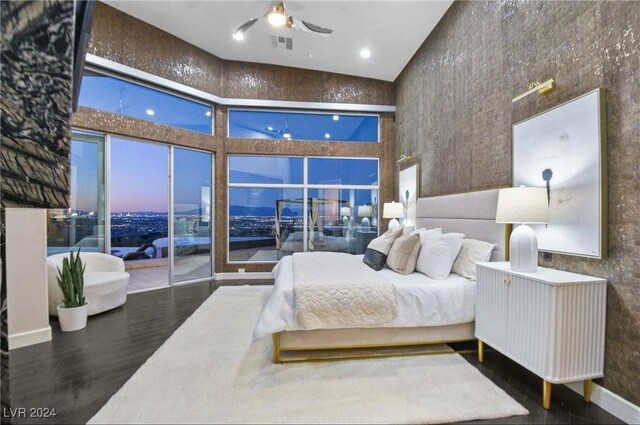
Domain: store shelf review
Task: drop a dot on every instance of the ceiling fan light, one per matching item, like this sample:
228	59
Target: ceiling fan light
277	17
238	36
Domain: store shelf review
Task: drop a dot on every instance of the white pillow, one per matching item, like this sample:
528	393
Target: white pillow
473	251
425	233
438	253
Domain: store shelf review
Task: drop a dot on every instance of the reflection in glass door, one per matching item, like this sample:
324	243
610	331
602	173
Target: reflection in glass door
192	215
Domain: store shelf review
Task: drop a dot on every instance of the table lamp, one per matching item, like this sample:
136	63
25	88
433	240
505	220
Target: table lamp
394	211
365	211
523	205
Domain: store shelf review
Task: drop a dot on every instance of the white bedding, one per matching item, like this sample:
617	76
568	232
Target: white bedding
421	301
347	292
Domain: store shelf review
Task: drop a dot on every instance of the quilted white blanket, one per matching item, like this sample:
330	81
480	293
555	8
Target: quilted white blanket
337	290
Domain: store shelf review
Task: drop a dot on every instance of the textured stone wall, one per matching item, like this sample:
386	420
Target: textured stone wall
126	40
455	114
36	56
37	46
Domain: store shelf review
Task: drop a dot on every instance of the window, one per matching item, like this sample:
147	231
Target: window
343	171
265	170
273	213
326	127
264	223
122	97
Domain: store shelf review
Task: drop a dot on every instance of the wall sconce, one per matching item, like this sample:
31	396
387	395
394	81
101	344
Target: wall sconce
540	87
403	158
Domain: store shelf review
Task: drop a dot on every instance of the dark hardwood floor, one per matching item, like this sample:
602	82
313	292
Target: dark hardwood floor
76	373
567	407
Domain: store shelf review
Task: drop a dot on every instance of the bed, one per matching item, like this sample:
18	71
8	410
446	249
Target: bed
428	311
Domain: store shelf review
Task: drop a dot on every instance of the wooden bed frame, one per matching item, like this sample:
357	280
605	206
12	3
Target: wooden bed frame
471	213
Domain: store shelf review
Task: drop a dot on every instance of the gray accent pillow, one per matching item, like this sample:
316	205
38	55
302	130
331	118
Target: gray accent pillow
376	254
404	254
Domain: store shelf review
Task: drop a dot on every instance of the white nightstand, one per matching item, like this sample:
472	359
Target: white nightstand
551	322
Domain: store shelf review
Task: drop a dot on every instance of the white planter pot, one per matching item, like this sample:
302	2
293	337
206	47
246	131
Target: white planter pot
72	319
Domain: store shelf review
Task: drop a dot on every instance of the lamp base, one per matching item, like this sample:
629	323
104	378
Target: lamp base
365	223
394	224
523	246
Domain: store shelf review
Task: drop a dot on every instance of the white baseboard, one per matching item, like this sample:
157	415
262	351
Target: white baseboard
611	402
243	276
25	339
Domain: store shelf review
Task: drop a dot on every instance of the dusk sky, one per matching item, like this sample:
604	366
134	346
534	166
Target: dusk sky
139	176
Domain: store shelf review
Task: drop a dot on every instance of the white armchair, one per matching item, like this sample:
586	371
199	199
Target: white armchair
105	281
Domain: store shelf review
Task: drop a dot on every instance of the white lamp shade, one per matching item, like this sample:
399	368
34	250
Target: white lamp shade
523	205
365	211
392	210
345	211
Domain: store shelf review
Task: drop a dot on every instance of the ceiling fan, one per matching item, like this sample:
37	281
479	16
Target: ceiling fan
277	16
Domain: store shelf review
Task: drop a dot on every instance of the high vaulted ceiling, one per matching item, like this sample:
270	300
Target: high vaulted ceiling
391	30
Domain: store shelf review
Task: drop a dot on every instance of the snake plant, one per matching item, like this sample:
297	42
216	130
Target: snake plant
71	281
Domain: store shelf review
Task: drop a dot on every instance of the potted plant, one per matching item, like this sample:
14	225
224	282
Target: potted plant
73	310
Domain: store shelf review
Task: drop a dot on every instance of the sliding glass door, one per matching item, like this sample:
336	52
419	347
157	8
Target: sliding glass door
82	225
147	203
139	200
192	214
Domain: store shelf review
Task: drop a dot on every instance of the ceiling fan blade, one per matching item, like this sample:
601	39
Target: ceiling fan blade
242	28
315	28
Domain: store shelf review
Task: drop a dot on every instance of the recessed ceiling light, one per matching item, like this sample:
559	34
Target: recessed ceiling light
336	117
238	36
327	136
287	135
151	112
208	113
365	53
310	55
270	128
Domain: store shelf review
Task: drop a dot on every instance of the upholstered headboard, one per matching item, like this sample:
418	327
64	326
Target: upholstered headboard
471	213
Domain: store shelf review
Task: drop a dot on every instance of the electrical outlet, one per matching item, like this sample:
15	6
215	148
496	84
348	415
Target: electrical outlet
547	256
241	270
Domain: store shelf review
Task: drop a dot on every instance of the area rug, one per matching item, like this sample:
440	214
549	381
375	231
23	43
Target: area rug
209	371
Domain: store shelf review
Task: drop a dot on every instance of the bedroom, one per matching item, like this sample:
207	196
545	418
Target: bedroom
440	95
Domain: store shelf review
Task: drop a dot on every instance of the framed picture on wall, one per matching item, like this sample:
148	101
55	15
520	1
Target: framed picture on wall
565	150
408	189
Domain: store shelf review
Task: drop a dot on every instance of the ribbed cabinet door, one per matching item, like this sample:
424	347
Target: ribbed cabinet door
491	307
528	322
